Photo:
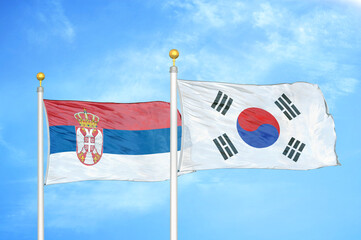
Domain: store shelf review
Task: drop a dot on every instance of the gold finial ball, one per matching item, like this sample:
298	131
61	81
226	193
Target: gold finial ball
173	53
40	76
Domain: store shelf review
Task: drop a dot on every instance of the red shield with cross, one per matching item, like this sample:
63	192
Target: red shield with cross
89	139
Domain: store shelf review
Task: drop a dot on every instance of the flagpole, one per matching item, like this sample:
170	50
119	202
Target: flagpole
173	148
40	76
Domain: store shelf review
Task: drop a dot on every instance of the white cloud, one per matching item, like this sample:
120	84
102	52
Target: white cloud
82	205
214	14
352	2
313	43
266	16
339	87
348	85
52	22
133	75
14	152
228	41
308	41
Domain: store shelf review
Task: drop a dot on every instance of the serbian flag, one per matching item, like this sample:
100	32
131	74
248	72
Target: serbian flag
108	141
282	126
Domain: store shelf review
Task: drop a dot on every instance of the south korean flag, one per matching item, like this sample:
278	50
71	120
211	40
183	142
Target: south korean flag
283	126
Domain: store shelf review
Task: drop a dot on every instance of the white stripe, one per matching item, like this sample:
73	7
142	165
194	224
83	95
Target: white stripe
66	167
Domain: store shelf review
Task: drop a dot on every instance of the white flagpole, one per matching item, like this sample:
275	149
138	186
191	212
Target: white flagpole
40	76
173	148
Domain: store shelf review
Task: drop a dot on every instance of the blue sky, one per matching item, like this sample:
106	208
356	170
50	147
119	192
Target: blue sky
118	51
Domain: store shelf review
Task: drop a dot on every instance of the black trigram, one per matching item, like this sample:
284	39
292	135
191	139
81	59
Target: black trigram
225	146
286	106
295	147
219	106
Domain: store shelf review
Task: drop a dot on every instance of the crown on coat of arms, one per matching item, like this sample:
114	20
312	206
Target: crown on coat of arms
86	119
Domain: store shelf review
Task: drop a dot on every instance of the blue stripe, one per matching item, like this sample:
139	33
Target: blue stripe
63	139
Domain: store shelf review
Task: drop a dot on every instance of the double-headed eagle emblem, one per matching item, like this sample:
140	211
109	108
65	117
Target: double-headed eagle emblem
89	139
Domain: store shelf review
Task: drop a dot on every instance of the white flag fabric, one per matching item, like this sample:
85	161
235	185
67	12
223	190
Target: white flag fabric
282	126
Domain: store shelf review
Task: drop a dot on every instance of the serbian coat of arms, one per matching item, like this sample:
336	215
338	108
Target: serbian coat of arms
89	138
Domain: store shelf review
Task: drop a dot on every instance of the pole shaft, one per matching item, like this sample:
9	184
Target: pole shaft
40	91
173	155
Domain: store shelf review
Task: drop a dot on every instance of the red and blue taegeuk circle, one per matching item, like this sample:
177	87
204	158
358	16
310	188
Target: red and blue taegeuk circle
257	127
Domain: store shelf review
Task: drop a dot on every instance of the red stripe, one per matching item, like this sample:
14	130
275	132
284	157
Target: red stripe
120	116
